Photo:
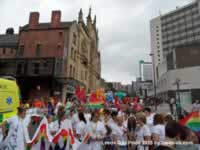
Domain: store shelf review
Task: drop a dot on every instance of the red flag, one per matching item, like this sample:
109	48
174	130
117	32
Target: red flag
82	95
78	91
117	103
93	97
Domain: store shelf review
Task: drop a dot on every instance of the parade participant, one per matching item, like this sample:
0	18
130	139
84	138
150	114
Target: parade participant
81	127
125	118
61	116
142	131
33	124
158	130
87	114
15	130
97	130
171	105
107	118
121	135
108	139
131	126
50	108
177	133
57	107
168	118
149	117
196	106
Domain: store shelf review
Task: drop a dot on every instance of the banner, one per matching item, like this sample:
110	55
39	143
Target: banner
42	139
109	96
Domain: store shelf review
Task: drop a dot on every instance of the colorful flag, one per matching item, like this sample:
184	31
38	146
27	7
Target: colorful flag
192	121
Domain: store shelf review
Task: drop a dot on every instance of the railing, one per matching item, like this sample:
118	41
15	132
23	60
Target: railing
31	67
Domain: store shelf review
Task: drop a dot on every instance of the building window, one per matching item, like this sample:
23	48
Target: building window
60	33
75	55
70	71
74	72
21	50
58	47
72	53
19	68
82	78
85	75
36	68
11	50
157	34
38	49
74	38
4	51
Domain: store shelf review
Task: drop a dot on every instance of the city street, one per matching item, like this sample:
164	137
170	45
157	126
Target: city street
87	74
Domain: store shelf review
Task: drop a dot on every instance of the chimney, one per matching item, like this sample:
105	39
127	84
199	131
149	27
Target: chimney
10	31
33	20
55	18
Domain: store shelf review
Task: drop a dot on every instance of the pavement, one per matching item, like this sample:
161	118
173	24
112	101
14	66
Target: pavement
164	108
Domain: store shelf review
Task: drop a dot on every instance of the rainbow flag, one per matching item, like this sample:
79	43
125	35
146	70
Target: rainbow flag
96	100
192	121
41	136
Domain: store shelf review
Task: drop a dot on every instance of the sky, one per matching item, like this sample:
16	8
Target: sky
124	27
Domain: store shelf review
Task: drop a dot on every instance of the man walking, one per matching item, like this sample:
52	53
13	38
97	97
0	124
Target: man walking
171	105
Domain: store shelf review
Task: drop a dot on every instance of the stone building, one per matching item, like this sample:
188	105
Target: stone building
56	57
8	44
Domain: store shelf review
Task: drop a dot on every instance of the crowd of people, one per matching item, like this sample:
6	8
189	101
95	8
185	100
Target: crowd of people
110	128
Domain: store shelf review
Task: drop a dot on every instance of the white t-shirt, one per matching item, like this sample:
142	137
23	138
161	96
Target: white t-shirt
81	129
125	124
75	120
150	121
87	117
196	107
16	132
141	132
159	130
97	129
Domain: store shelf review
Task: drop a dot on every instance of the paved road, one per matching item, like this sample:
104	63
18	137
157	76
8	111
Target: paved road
163	108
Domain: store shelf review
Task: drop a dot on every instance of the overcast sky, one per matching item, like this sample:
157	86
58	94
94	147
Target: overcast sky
123	27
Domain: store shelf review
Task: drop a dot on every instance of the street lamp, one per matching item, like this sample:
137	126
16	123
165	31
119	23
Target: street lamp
154	76
178	103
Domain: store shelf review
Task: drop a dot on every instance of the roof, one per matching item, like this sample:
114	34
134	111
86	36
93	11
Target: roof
179	9
8	40
42	26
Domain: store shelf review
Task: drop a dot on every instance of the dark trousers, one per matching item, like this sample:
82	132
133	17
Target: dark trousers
171	108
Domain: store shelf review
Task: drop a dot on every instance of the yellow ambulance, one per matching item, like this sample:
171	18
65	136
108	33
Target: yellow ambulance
9	98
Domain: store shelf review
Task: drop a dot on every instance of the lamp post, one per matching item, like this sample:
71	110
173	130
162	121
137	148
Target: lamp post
154	78
178	100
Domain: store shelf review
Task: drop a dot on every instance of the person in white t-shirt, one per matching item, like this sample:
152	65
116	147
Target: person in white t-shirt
196	106
158	131
81	128
97	131
149	117
56	125
142	131
16	131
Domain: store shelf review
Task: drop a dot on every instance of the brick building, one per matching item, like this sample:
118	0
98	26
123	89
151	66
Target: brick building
53	58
